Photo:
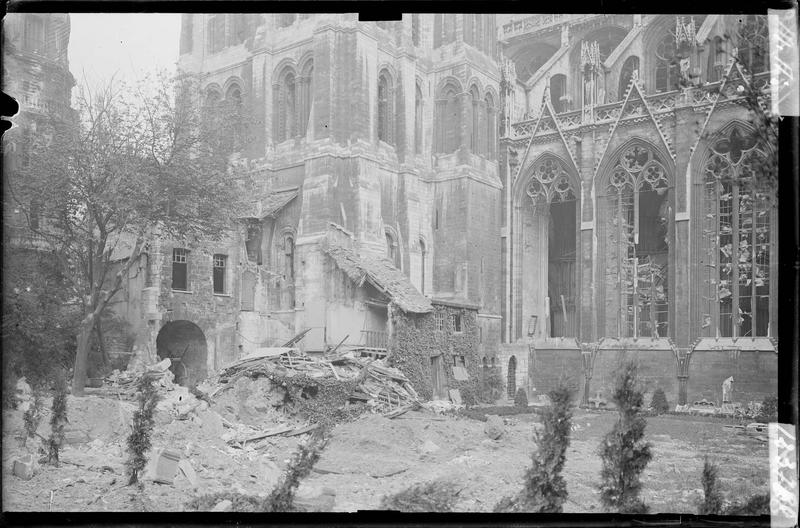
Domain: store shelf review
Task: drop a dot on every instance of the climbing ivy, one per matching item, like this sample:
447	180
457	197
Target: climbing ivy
415	339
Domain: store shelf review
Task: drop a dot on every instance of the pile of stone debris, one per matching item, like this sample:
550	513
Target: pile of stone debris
384	389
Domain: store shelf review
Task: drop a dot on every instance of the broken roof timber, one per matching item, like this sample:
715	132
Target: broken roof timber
382	275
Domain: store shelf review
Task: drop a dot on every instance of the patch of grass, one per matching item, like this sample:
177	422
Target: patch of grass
481	413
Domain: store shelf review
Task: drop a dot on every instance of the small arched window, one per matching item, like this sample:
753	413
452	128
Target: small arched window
418	120
285	106
666	67
385	108
558	90
392	249
630	65
423	254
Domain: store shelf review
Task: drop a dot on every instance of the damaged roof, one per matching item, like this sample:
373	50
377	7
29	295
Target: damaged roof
383	275
271	204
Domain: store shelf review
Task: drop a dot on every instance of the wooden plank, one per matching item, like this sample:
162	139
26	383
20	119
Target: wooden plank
302	430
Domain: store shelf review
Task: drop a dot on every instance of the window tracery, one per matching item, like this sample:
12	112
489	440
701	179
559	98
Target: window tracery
738	216
637	246
550	183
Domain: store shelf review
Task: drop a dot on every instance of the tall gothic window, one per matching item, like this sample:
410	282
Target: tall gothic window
716	60
753	43
469	30
555	201
491	127
187	37
415	29
288	299
630	65
234	108
475	143
739	212
666	66
418	120
385	108
306	86
637	246
423	253
216	33
558	89
444	29
285	109
33	34
448	121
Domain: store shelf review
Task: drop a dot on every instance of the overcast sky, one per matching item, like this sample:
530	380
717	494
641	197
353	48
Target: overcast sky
128	44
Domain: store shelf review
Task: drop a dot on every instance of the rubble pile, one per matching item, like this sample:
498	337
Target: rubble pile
384	389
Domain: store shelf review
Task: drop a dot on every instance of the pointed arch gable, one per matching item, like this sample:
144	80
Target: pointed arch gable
477	84
234	80
634	99
547	111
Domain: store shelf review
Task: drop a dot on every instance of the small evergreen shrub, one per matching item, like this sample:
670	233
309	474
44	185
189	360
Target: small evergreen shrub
659	402
143	422
521	399
33	416
545	490
240	502
712	496
58	419
468	395
623	451
769	410
282	497
436	496
491	385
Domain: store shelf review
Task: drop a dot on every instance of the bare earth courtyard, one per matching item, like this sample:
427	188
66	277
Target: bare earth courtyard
375	456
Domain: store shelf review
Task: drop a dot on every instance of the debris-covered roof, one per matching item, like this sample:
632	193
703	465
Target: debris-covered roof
271	204
382	274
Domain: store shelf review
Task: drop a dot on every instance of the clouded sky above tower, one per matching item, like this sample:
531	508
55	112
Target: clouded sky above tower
126	44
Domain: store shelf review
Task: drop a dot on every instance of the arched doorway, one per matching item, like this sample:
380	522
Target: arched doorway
512	377
184	343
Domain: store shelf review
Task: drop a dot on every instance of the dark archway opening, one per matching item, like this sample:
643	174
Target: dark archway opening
185	345
512	377
561	269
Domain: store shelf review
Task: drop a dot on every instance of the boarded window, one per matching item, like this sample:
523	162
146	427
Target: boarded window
666	69
385	109
220	265
631	65
33	36
179	268
216	33
248	291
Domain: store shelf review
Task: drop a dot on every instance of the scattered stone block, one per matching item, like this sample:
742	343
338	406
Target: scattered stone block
455	396
223	506
494	428
313	499
165	466
429	447
24	467
188	471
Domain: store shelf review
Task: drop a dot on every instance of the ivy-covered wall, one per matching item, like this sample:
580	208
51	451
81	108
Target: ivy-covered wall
416	338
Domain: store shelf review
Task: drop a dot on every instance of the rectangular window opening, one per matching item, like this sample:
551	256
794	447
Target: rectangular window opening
456	318
179	269
219	273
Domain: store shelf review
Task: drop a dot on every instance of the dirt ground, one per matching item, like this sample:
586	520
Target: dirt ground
370	458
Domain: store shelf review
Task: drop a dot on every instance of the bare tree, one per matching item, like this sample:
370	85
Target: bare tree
137	162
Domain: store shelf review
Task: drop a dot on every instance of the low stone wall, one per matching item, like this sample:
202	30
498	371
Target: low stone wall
656	370
548	366
755	375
